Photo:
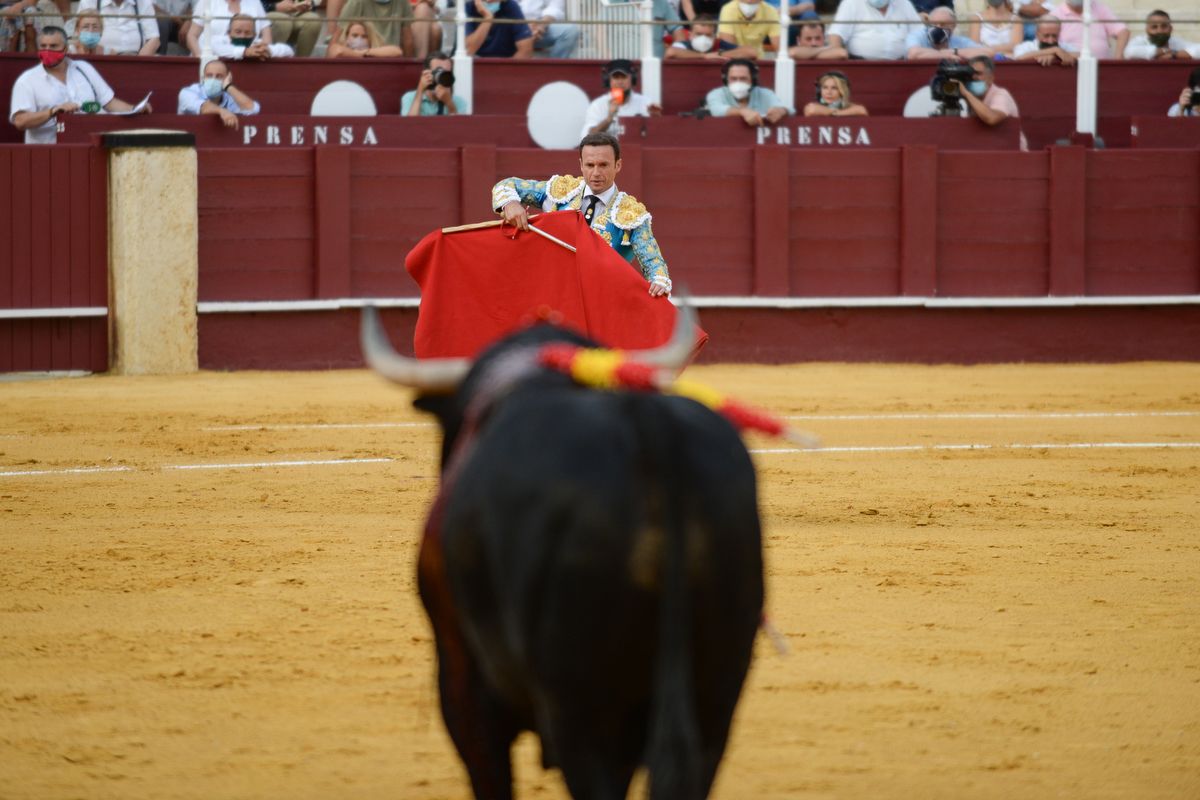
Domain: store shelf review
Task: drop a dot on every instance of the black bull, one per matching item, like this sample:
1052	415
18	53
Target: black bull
592	569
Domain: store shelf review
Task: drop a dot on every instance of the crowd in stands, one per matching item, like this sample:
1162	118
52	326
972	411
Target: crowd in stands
735	33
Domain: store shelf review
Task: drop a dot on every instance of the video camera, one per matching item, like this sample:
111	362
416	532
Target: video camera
946	87
443	77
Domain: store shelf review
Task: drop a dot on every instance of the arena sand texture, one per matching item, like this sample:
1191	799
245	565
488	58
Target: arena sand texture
962	622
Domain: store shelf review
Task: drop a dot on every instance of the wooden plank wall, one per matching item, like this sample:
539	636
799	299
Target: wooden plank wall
53	254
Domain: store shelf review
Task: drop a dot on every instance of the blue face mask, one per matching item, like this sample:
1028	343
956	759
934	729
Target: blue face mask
89	38
879	4
492	7
212	88
937	36
977	88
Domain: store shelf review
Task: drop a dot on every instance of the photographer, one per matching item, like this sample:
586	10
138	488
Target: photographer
434	95
986	101
1189	98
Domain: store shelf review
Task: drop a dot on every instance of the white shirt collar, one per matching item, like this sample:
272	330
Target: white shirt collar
605	197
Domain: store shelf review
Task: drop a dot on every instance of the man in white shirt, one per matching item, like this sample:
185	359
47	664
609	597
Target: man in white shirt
619	101
875	29
1045	48
1159	43
552	35
124	33
59	85
246	42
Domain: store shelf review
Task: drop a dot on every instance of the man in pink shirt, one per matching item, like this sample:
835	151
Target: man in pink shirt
986	101
1105	26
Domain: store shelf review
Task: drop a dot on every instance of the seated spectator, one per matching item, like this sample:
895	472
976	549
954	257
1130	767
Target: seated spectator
741	96
1105	28
89	30
510	40
434	95
812	44
620	100
876	29
392	18
25	20
1030	11
749	23
294	23
216	94
833	98
552	34
997	28
360	40
938	40
59	85
241	43
222	13
1189	98
174	19
798	10
1045	48
124	33
703	43
924	7
986	101
1158	43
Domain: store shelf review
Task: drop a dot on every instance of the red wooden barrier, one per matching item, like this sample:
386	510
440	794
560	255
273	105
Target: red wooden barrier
53	254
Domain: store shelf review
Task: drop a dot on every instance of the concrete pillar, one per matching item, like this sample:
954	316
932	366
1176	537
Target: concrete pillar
152	252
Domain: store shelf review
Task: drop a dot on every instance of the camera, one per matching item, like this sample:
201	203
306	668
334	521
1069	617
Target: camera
443	77
946	87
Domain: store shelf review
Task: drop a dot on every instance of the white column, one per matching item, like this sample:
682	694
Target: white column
464	65
651	65
1087	76
785	71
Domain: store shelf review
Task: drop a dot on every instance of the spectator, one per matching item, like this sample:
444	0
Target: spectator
986	101
748	23
222	13
1105	26
812	44
621	100
741	96
89	30
833	98
392	18
1045	49
504	40
997	28
216	94
797	11
174	19
552	34
1189	98
28	18
124	33
434	95
703	43
361	40
59	85
241	43
1030	11
925	7
938	40
876	29
1158	44
294	23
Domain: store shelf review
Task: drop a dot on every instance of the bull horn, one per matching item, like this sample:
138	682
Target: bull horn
674	354
429	375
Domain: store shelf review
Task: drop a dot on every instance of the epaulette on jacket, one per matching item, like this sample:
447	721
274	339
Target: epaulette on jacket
561	188
628	212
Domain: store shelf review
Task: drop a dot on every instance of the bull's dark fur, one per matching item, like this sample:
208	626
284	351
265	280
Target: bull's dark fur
593	573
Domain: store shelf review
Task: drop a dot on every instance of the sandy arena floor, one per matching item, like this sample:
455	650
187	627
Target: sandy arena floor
988	622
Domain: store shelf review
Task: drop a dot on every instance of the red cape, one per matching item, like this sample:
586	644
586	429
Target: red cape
479	285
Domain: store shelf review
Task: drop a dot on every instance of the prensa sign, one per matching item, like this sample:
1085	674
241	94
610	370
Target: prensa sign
304	135
808	135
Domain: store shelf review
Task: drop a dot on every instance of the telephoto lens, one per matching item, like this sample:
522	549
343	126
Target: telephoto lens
443	77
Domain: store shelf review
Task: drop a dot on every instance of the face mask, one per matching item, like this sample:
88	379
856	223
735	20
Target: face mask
1159	39
977	88
51	58
739	89
878	4
492	7
358	43
89	38
995	3
212	88
702	44
242	41
748	9
937	36
1045	45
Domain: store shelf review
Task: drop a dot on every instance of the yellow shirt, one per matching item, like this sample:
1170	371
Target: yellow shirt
765	24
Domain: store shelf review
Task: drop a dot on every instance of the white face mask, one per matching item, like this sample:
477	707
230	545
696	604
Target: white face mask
739	89
358	43
748	9
879	4
702	43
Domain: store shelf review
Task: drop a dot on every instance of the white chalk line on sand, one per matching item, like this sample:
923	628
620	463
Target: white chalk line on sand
319	426
326	462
